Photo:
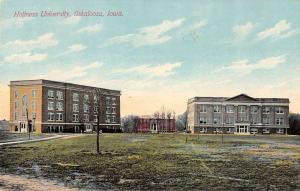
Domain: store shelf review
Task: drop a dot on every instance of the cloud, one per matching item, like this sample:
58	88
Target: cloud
41	42
70	73
198	25
242	31
280	30
71	20
25	58
151	35
91	29
76	48
162	70
244	67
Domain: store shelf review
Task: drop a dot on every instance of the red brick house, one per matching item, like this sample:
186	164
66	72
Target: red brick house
146	124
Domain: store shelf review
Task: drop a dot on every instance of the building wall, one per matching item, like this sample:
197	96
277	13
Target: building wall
255	120
42	124
25	90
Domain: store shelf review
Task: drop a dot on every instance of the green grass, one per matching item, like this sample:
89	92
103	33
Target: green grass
156	162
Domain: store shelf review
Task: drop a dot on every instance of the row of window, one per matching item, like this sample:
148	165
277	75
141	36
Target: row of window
86	109
230	120
33	94
59	106
241	109
59	95
86	118
58	117
16	115
230	130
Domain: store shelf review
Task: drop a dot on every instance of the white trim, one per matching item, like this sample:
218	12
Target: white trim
240	103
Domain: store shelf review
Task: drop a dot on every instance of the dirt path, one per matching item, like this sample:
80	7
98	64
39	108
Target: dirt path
42	139
13	182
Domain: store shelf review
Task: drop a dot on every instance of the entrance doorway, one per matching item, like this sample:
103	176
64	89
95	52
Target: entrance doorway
242	129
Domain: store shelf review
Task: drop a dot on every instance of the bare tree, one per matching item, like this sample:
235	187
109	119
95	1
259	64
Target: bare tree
97	94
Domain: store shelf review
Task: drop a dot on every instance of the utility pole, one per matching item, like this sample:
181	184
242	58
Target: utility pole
222	123
28	124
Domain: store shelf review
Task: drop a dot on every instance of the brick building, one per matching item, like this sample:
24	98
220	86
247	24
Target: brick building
241	114
147	124
62	107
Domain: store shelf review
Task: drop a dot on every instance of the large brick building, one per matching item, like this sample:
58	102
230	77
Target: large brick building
147	124
241	114
62	107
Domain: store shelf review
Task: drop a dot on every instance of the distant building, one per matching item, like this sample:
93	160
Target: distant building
241	114
62	107
147	124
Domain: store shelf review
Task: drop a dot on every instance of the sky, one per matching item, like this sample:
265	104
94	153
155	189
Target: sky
158	53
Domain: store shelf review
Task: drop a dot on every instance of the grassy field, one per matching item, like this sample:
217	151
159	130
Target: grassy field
156	162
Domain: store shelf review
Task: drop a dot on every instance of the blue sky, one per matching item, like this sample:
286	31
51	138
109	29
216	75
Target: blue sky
159	52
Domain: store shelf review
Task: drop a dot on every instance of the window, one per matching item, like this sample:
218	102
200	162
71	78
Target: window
33	93
107	119
50	105
242	119
59	106
266	120
16	105
75	97
217	130
230	120
24	105
280	131
254	120
85	108
95	99
113	118
242	109
16	116
50	116
86	98
75	118
113	101
95	118
75	108
203	120
202	129
86	118
108	110
16	94
114	110
95	109
59	95
254	109
33	106
33	115
203	109
266	130
107	100
50	94
266	110
279	121
229	109
216	120
59	117
217	108
279	110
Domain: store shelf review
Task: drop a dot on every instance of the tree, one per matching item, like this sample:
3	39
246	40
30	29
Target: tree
294	122
128	123
181	122
97	94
